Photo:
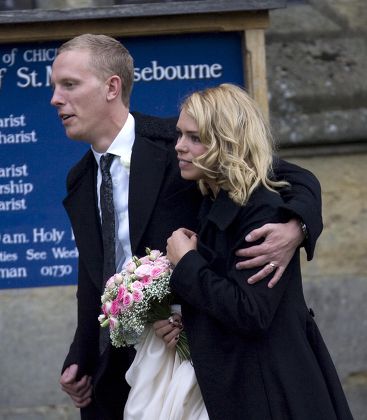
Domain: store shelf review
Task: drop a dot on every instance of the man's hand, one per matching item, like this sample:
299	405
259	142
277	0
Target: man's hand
278	248
169	329
79	391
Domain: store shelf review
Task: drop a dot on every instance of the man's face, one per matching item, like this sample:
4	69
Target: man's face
79	95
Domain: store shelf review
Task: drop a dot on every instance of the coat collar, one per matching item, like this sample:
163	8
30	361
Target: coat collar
222	212
147	171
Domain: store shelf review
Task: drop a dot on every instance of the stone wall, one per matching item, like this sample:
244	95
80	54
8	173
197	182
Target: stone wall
316	59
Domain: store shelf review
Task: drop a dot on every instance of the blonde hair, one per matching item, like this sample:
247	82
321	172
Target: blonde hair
239	142
108	57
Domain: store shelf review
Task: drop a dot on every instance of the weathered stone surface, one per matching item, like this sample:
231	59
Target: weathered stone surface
334	301
316	73
335	281
350	14
342	248
36	327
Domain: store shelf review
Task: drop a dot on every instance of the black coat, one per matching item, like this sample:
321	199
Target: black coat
160	201
257	352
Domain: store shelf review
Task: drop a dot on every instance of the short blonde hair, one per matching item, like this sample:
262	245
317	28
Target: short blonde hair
240	146
108	57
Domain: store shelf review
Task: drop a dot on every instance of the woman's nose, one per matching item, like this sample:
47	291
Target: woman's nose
180	145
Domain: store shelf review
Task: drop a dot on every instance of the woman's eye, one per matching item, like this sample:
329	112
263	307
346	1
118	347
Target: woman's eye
195	139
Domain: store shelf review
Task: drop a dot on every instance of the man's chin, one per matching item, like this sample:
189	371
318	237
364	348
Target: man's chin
73	135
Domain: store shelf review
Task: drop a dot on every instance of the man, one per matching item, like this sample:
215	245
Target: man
92	77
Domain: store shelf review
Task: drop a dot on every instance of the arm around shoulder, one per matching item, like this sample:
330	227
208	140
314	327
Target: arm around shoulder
302	199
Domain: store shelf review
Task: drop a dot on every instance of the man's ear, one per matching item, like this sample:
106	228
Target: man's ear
113	84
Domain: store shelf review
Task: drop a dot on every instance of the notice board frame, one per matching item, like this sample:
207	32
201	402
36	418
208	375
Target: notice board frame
248	18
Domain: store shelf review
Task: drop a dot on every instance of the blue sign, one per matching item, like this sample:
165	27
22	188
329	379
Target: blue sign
37	246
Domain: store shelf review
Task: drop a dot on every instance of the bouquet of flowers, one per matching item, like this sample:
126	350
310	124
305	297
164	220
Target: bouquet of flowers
138	296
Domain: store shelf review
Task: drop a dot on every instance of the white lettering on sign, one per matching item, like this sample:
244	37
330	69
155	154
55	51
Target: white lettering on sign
16	187
13	272
7	256
18	138
39	55
14	171
12	121
13	205
65	253
31	255
13	238
156	72
43	235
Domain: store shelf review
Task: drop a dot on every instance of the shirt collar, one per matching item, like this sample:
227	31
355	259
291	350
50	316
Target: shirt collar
122	144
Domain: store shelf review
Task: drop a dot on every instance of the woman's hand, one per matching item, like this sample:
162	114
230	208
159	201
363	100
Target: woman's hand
179	243
169	329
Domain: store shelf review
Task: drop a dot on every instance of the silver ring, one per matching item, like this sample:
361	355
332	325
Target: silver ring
272	265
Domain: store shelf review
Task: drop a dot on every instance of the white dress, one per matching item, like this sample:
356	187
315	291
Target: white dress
162	387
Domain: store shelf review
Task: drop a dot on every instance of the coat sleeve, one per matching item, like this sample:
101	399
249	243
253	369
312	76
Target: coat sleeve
248	309
84	350
303	199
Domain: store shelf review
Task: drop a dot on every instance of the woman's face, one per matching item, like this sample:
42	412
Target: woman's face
188	147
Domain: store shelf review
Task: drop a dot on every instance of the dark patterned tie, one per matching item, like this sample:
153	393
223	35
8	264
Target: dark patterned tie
108	217
108	232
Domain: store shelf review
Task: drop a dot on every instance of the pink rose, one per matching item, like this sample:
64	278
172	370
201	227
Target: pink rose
163	260
143	270
137	285
130	267
138	295
115	307
110	283
120	293
157	271
113	322
146	281
144	260
106	307
128	299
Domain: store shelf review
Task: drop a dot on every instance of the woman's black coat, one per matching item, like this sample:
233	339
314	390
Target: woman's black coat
257	352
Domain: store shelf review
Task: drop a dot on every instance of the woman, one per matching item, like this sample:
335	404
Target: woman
256	351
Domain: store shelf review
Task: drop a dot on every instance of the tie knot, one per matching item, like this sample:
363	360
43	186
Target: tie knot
106	161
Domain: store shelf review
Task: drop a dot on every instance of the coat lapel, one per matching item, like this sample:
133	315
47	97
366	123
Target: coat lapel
148	163
81	206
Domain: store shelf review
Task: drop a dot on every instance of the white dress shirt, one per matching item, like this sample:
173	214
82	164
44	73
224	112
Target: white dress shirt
121	147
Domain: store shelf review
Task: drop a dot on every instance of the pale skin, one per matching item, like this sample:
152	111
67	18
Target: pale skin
79	391
90	108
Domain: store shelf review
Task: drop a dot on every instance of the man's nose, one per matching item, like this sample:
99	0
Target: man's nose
56	99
